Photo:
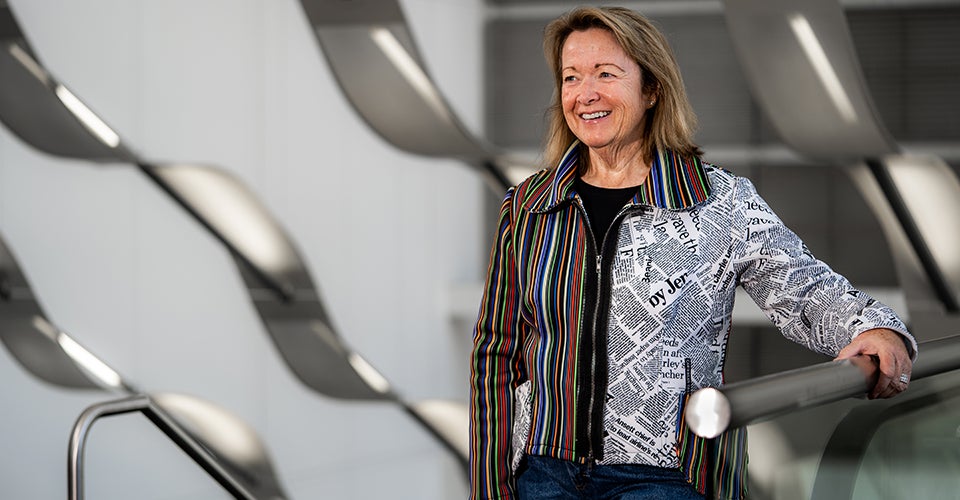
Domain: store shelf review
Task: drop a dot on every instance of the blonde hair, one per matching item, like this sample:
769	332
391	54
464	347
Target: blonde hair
670	124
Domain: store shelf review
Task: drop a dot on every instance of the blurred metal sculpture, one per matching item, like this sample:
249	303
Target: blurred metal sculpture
53	356
802	67
371	51
33	341
800	62
277	280
47	115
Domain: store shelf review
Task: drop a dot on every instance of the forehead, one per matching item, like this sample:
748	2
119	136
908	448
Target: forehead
592	46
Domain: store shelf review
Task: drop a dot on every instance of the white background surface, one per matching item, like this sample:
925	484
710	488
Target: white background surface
241	85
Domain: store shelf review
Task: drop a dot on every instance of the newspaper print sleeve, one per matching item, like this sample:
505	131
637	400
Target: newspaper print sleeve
495	369
809	302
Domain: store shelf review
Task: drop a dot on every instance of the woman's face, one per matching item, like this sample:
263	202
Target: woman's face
601	91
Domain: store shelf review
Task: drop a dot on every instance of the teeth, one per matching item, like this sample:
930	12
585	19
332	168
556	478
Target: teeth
594	116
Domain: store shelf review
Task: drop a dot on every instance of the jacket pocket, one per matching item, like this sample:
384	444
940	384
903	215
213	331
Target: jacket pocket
522	409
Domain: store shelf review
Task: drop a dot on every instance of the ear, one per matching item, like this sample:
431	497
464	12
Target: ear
654	91
650	86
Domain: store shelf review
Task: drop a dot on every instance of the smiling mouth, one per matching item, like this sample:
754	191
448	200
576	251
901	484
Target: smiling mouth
595	115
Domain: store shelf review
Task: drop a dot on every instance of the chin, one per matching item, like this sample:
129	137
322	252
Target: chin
596	143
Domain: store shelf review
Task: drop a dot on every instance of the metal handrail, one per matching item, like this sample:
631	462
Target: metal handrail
711	411
164	422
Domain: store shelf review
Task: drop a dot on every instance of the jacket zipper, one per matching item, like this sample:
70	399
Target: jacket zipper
593	355
596	327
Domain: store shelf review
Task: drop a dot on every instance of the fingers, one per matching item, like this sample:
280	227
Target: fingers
852	349
895	372
894	360
888	379
887	388
892	388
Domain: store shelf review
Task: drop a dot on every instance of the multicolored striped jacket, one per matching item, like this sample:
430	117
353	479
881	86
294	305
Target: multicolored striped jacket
604	340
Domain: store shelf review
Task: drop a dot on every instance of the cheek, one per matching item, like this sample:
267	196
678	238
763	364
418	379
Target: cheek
567	105
567	100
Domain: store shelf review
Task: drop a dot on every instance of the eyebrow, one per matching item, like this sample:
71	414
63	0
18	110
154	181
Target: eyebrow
595	66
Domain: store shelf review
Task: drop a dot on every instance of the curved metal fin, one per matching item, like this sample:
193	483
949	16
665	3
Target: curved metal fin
276	278
800	62
54	357
923	196
42	111
450	420
930	192
230	439
28	335
371	53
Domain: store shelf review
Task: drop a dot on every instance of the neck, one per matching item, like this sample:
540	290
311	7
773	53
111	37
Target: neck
616	168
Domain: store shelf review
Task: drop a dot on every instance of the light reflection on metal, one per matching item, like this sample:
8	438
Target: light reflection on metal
43	326
87	117
29	63
42	112
161	418
92	364
821	64
51	355
931	192
809	84
276	278
450	420
920	200
368	373
802	89
370	50
33	343
224	203
408	67
918	293
763	398
224	432
709	412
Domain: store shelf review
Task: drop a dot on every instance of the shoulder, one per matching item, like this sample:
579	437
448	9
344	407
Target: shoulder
533	189
725	184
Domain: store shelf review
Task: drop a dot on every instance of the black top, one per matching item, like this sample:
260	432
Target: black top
602	205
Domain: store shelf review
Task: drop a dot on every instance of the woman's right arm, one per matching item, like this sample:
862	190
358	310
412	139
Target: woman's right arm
495	368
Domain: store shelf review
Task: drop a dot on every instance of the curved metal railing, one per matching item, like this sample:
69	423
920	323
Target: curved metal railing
53	356
711	411
164	422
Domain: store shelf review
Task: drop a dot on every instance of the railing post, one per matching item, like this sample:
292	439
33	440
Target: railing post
167	425
78	438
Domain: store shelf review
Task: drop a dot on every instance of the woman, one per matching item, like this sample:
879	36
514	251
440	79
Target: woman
611	285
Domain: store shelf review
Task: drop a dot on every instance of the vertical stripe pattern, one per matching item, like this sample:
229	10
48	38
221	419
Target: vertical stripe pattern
538	315
532	312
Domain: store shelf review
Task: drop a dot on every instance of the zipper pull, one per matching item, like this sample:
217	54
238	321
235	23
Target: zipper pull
599	265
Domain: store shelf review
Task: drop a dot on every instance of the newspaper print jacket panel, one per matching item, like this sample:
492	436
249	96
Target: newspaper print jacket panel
609	336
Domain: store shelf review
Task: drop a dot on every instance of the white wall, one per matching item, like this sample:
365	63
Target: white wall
239	84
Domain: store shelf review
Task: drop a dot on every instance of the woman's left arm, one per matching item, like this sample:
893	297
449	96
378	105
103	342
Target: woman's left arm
809	302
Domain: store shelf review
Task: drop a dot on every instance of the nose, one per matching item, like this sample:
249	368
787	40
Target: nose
588	92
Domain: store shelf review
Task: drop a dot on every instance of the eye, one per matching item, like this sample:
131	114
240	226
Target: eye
569	78
606	74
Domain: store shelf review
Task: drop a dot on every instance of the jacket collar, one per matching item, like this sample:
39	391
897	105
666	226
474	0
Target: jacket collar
674	183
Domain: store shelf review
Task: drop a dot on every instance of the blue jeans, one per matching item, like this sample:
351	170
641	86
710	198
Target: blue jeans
542	478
